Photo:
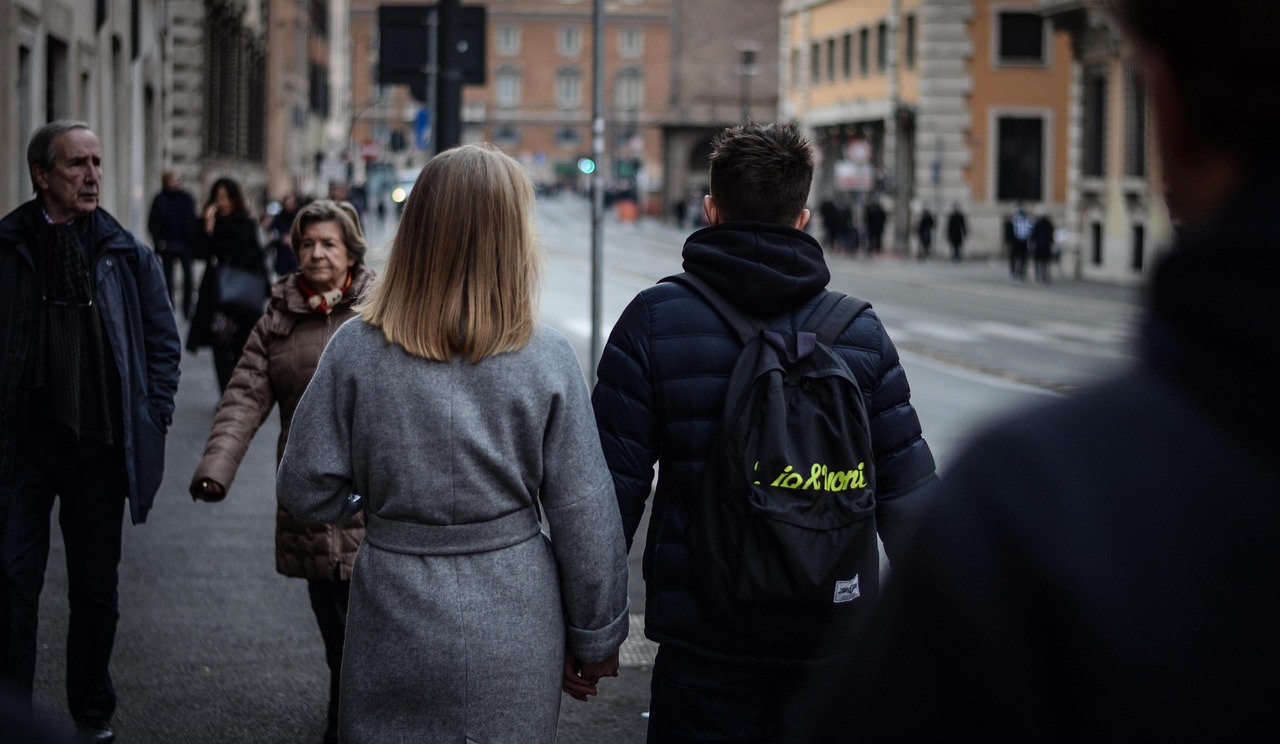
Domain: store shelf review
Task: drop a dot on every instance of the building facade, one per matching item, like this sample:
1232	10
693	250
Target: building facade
537	100
926	104
675	71
1115	209
724	69
103	62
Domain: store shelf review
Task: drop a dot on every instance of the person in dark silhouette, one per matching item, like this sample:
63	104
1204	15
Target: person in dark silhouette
1104	566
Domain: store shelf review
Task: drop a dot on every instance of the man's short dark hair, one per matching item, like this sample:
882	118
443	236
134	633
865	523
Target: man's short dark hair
761	172
40	149
1224	57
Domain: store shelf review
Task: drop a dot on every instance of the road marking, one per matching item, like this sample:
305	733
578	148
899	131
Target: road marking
1012	332
1082	332
938	330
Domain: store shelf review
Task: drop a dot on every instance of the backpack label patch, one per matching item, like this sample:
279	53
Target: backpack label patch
820	478
847	591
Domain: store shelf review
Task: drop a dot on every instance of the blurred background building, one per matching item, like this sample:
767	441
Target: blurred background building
987	104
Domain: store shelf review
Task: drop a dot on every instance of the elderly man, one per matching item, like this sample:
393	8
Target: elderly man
90	369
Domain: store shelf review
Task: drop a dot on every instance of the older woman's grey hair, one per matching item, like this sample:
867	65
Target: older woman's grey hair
340	212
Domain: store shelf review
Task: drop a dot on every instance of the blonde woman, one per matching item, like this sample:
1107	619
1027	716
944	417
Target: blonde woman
451	417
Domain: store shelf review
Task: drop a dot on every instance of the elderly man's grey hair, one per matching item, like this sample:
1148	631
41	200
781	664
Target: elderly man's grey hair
40	150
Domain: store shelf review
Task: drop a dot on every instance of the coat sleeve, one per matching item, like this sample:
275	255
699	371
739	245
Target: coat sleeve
905	469
586	532
625	413
316	478
245	405
161	344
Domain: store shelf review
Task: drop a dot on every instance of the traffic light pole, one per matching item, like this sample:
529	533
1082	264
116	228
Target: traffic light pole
597	188
448	98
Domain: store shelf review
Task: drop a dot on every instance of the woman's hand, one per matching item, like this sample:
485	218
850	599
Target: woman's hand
574	684
594	671
207	489
210	216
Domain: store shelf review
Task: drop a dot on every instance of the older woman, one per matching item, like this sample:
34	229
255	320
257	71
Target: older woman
305	310
449	414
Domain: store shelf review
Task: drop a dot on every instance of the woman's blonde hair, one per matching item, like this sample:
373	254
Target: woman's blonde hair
464	265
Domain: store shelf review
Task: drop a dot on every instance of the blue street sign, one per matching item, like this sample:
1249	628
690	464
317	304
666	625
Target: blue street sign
422	129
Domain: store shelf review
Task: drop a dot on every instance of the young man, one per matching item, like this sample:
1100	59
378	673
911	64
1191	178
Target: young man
90	369
662	387
1105	568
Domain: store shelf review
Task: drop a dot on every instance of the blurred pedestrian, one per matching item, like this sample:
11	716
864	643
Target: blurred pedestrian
957	231
874	216
172	223
229	238
1104	567
924	231
90	369
280	236
1042	246
306	308
663	381
1018	236
454	419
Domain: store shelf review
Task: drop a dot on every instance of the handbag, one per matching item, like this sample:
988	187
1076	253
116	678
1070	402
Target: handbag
241	292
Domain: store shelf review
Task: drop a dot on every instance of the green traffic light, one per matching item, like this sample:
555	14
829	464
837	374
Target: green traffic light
587	165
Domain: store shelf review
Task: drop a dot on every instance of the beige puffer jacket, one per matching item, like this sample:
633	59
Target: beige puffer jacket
276	366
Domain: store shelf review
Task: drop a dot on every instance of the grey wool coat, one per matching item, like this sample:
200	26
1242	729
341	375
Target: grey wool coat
461	607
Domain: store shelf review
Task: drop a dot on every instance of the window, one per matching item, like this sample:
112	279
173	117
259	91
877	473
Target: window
507	91
795	67
882	47
508	40
1020	38
320	17
1093	136
815	62
57	76
629	90
1135	126
1095	243
506	136
846	56
1139	247
831	59
569	88
568	137
630	42
864	39
569	41
909	51
1020	168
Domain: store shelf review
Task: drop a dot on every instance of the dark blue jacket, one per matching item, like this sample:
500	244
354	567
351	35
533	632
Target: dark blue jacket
135	311
661	386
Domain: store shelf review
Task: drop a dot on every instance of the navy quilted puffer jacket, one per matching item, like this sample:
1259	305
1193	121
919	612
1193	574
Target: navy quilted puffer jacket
661	386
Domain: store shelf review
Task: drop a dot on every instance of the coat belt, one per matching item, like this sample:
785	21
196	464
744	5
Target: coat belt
415	538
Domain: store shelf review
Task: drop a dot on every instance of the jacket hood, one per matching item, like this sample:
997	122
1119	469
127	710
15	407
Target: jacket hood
763	268
1211	313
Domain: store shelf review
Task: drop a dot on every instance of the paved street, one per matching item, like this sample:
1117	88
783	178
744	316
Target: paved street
214	646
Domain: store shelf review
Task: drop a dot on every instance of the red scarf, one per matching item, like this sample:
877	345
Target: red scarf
322	302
